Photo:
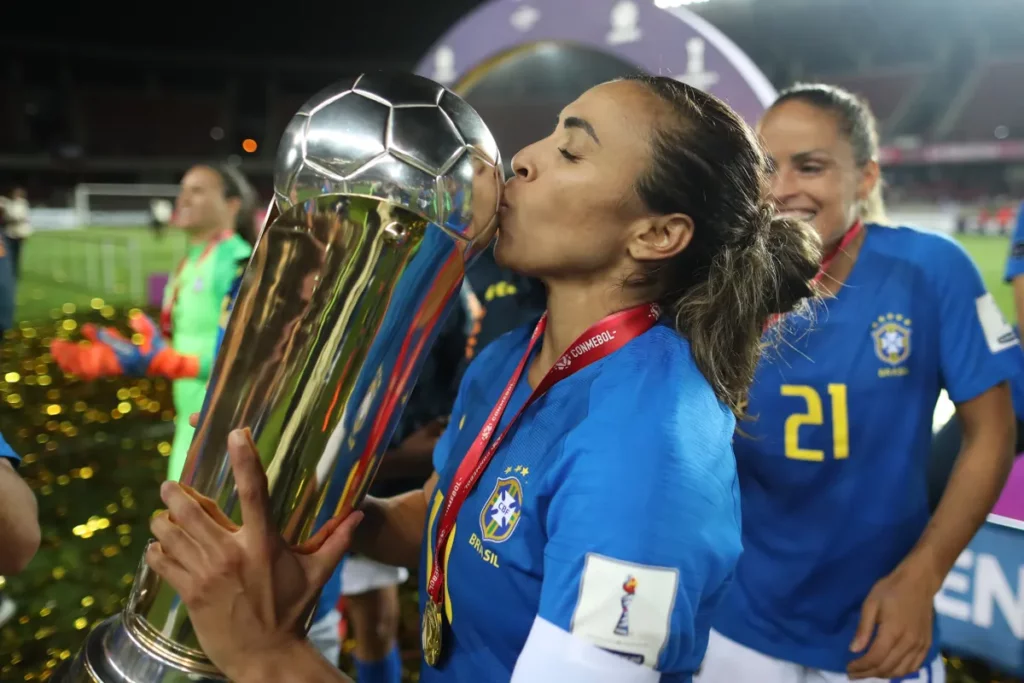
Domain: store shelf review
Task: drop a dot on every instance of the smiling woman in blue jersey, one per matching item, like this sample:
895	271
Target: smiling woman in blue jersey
583	519
841	561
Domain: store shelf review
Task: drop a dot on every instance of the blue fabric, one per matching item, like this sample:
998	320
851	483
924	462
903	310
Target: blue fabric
1014	269
7	452
623	470
387	670
1015	260
8	287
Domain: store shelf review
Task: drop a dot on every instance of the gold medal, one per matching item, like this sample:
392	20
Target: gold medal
431	632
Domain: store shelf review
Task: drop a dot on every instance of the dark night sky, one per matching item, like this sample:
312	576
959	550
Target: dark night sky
345	29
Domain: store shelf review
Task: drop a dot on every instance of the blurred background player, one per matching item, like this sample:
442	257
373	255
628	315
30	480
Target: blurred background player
841	563
161	213
215	209
17	224
8	288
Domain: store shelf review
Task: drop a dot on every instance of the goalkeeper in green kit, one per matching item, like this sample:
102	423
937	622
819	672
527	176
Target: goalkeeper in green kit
215	207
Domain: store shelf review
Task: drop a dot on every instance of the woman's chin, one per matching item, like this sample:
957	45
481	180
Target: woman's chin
501	246
504	249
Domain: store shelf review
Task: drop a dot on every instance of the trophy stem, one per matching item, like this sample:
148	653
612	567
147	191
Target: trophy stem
127	649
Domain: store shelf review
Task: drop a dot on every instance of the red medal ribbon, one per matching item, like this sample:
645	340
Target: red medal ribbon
600	340
843	244
840	247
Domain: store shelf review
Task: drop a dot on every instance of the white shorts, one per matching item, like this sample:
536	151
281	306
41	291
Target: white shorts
361	575
325	637
727	661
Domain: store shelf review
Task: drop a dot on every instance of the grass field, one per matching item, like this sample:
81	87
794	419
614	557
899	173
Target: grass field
75	267
989	253
56	268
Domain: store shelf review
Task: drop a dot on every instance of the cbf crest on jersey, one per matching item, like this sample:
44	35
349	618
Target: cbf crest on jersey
891	336
501	512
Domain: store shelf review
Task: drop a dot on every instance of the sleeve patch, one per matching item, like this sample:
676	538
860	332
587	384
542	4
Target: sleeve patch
625	608
999	334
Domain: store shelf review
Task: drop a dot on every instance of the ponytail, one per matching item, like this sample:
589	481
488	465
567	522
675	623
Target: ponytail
767	273
743	264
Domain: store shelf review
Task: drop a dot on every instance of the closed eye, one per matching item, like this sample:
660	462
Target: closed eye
568	155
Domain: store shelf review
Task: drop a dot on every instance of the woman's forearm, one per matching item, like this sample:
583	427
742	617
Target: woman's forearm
400	463
19	521
986	456
392	530
299	663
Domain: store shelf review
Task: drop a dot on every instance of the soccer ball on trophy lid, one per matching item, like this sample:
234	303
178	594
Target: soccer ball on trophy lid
397	137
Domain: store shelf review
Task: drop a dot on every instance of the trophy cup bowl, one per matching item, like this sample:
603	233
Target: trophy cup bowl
386	187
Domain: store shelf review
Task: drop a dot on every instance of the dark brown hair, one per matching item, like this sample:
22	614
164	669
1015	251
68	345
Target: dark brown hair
236	186
744	264
857	125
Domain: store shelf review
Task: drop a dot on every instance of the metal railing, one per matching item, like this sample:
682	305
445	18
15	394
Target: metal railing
102	264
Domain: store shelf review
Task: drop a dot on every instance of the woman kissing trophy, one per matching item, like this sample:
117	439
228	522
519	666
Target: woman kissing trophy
387	185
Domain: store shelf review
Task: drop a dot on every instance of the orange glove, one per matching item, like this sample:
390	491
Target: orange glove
107	353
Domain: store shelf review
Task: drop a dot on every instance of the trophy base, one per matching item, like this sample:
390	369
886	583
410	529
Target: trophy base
111	655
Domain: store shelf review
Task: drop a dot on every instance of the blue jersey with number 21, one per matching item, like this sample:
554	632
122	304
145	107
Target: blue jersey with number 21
610	512
832	469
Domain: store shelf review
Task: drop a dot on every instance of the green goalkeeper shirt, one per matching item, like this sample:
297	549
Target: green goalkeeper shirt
193	299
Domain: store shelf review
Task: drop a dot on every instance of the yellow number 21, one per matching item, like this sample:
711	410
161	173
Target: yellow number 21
814	416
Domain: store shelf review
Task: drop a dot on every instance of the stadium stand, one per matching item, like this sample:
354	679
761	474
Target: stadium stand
126	122
887	90
994	99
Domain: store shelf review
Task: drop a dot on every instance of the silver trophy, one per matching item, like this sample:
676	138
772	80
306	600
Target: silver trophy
386	187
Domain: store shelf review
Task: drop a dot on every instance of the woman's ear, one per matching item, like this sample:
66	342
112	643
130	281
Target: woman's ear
660	237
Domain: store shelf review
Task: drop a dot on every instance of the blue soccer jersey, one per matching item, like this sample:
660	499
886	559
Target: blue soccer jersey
610	510
832	465
8	287
7	452
1014	269
1015	262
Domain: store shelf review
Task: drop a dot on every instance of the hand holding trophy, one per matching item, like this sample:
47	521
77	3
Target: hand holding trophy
245	588
386	187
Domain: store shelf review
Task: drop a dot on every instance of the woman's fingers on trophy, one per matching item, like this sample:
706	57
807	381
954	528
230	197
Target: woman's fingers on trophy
186	512
175	542
321	563
251	481
193	419
210	507
170	570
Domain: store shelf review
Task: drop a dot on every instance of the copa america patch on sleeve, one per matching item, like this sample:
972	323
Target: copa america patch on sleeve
625	608
999	334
